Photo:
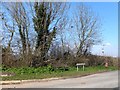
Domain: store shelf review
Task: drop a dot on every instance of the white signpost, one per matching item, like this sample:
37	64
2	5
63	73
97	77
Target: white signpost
80	64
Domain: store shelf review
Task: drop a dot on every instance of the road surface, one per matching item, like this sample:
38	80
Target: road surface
101	80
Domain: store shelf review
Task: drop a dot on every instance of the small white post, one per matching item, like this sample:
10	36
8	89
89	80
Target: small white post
83	67
77	67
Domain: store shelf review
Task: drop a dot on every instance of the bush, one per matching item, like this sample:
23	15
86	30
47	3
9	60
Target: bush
32	70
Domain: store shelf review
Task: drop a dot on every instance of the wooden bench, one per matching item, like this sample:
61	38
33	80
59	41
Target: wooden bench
80	64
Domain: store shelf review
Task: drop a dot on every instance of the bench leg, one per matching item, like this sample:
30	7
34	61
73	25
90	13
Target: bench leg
83	67
77	68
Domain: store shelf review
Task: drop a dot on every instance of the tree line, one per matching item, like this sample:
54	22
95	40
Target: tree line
35	33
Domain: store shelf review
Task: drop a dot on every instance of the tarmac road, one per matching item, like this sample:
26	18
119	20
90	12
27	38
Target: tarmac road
101	80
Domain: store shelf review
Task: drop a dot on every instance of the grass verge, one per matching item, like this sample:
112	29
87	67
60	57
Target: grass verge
48	72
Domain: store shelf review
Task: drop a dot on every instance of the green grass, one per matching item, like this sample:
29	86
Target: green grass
48	72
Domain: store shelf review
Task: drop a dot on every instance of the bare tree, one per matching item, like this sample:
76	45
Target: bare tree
61	33
16	25
87	26
20	19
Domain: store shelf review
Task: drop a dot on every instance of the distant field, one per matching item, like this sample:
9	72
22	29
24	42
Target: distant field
48	72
